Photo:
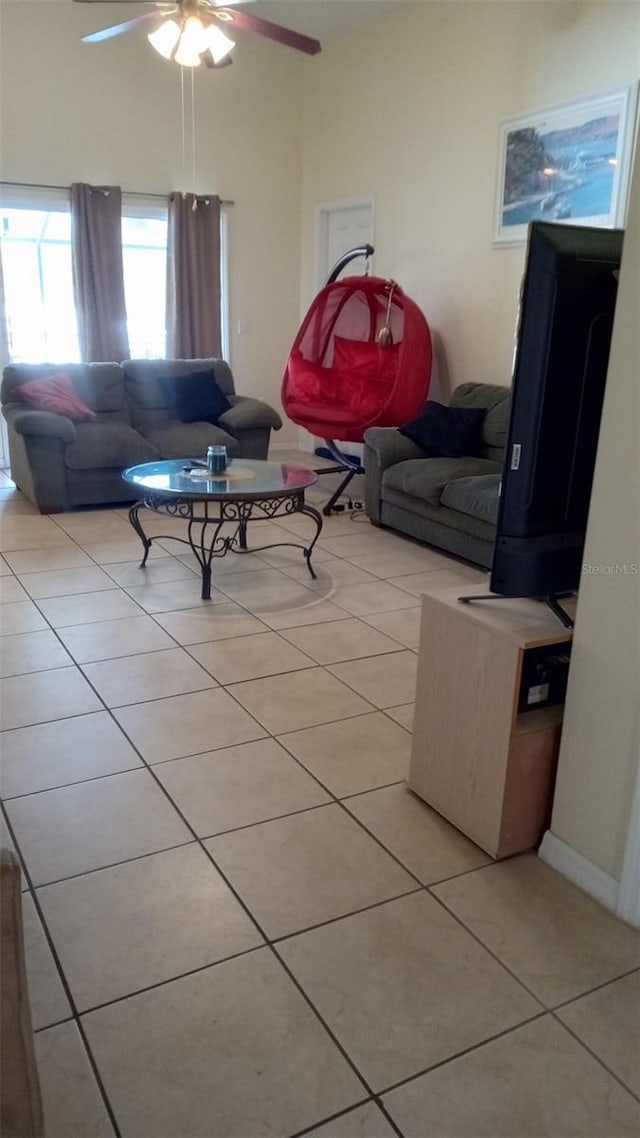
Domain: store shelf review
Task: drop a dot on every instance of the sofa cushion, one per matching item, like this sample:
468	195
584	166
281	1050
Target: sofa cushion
55	393
187	440
246	414
426	478
446	432
477	497
145	392
108	443
421	520
496	401
100	385
196	397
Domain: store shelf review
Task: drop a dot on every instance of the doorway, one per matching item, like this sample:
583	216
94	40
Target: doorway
340	226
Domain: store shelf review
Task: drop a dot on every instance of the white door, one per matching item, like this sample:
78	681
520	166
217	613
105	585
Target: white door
340	226
343	226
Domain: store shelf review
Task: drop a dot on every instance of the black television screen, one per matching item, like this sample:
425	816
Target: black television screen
566	318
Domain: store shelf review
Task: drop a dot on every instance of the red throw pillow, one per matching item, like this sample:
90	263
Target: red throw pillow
364	360
55	393
312	383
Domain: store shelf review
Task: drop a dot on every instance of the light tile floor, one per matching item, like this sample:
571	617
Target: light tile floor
239	922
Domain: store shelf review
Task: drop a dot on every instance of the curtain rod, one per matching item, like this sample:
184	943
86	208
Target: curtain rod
126	193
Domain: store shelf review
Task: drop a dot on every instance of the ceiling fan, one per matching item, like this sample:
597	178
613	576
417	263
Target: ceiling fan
190	31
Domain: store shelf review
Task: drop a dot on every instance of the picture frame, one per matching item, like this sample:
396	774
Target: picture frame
569	162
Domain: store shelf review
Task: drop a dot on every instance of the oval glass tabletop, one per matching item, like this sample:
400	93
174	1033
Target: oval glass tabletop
243	478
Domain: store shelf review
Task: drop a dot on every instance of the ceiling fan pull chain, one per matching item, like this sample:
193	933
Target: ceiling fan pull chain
184	142
193	141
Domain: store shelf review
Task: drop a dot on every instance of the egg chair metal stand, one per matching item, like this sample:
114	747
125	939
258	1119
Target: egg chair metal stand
348	464
362	358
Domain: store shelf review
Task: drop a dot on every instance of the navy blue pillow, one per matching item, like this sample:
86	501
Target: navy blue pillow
196	397
446	432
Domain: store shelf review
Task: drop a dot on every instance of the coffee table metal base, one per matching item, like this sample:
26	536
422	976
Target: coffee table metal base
205	520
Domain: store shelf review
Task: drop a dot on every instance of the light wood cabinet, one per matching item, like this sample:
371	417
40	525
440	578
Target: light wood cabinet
486	767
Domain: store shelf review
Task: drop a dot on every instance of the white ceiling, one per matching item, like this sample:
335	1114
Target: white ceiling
324	19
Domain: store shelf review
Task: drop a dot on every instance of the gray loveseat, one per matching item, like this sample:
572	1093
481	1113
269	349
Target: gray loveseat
451	503
60	464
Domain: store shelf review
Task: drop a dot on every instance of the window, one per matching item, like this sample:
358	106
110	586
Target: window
144	256
36	264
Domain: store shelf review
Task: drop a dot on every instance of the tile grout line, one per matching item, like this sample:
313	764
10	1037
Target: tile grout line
75	1017
345	916
259	928
273	946
240	901
311	1130
272	943
111	864
594	1055
270	735
583	1044
326	789
475	936
598	987
43	922
548	1009
465	1051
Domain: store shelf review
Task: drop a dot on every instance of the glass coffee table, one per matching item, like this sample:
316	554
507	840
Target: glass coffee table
248	490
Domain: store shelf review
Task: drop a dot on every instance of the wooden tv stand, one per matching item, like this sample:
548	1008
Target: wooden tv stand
486	767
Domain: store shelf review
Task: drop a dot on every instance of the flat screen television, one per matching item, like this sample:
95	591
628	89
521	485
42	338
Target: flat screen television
562	353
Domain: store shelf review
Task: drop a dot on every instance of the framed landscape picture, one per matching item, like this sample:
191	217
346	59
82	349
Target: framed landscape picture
568	163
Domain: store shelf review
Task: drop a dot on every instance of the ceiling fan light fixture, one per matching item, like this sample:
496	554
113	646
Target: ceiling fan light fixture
186	57
218	43
193	42
165	38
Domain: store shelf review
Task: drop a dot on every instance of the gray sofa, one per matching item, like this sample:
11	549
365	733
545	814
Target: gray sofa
451	503
60	464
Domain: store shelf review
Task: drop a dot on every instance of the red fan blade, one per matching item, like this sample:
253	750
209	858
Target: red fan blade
250	23
119	29
207	59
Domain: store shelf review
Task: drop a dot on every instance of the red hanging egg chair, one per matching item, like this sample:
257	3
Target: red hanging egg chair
362	358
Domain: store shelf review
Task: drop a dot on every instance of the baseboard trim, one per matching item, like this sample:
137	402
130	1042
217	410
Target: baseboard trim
578	869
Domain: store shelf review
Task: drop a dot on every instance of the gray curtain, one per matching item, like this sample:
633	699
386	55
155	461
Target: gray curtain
98	277
193	277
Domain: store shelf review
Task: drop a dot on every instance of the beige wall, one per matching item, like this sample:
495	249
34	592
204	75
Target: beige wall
111	113
409	110
601	737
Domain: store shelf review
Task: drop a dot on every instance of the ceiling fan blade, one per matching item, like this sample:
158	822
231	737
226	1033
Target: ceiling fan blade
207	59
249	23
119	29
